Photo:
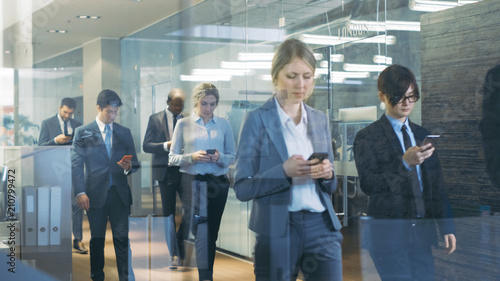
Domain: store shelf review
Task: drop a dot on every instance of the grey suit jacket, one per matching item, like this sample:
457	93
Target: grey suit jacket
51	129
156	135
259	168
89	151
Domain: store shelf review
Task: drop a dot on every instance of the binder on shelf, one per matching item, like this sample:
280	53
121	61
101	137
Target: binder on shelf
55	215
43	215
30	216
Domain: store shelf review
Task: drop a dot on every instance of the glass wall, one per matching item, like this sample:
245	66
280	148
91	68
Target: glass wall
230	43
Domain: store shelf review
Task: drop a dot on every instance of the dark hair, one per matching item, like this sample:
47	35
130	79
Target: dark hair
108	97
173	93
69	102
289	49
205	89
395	80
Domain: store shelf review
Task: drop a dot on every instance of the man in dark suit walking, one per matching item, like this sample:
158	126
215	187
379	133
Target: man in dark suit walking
402	177
157	140
59	130
103	190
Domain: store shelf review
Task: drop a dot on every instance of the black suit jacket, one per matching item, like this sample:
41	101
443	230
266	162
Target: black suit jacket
385	179
89	151
156	135
51	129
490	123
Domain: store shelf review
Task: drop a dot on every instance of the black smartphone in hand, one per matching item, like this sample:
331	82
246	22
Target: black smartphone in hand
210	151
431	139
318	155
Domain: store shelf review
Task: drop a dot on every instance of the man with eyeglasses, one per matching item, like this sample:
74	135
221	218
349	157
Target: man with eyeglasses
404	182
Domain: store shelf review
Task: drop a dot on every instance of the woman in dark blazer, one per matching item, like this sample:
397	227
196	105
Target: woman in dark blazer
292	212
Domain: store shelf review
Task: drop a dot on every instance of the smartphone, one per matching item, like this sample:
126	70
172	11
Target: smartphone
318	155
431	139
126	157
210	151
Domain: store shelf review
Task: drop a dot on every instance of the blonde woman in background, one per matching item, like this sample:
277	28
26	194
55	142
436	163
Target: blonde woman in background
203	146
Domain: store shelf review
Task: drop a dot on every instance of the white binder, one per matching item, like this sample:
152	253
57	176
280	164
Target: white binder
43	215
30	216
55	215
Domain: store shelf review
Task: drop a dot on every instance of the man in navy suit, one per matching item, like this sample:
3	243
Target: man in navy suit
103	190
59	130
402	177
157	140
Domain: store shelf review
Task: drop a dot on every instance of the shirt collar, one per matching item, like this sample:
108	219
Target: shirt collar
170	114
285	118
199	120
397	125
60	119
101	125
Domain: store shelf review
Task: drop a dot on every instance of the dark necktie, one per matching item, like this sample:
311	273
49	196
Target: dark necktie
66	128
175	121
415	184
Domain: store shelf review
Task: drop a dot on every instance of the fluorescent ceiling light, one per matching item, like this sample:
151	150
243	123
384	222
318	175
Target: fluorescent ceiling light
200	78
434	6
382	59
255	56
265	56
266	77
351	74
337	80
324	40
245	65
88	17
232	72
364	67
56	31
337	40
383	26
343	74
337	58
384	39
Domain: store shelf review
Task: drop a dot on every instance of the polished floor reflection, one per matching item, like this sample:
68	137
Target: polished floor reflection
150	259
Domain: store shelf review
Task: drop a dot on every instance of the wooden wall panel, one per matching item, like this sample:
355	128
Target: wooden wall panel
459	46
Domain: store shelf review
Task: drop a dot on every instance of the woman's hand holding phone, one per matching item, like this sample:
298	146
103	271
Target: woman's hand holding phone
316	167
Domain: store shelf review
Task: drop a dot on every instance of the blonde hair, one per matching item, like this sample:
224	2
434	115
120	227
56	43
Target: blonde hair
205	89
288	50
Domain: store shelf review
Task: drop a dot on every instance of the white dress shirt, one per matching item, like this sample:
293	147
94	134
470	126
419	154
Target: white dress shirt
304	194
61	124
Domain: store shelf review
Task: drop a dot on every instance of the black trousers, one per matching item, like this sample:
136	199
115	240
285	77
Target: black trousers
117	214
169	186
209	199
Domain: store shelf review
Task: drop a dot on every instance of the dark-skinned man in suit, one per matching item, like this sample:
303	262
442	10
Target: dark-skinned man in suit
157	141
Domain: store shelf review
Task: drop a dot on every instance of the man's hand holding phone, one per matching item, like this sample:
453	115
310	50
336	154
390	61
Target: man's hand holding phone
126	162
416	155
62	139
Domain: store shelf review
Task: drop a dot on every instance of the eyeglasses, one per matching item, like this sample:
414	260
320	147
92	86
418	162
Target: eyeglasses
410	99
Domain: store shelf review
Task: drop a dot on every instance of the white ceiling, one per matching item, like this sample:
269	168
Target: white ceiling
121	18
118	18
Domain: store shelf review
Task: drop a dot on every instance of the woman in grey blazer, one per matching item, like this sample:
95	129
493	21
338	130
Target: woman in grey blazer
292	212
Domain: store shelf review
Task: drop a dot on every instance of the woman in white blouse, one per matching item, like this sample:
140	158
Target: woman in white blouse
203	146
